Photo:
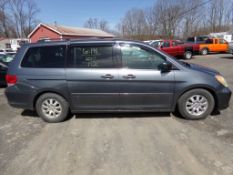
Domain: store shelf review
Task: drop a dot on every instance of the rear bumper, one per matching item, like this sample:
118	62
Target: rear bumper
18	98
223	98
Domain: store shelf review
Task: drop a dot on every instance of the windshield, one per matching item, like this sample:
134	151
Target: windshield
6	58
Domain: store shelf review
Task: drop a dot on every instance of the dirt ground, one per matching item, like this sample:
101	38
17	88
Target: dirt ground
113	144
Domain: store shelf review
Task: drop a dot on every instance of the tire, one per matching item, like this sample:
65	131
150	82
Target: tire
190	110
52	108
188	55
204	51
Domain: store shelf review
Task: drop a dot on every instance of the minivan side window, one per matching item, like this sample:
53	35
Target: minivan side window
45	57
136	57
91	57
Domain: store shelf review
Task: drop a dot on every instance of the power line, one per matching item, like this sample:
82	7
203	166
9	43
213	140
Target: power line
189	10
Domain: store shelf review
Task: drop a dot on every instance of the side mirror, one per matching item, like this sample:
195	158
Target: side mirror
165	66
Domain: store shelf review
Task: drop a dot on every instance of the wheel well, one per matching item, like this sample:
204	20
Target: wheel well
208	89
190	49
45	92
205	48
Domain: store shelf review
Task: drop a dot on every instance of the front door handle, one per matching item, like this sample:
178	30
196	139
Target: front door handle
129	76
107	76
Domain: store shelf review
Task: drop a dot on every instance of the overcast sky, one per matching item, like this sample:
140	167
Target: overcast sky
76	12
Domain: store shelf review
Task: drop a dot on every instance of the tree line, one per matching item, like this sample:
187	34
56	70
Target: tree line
17	18
180	18
169	19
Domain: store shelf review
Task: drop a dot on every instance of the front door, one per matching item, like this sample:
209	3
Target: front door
142	85
173	49
92	77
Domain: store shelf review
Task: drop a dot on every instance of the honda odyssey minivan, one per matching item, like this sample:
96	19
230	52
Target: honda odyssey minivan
55	78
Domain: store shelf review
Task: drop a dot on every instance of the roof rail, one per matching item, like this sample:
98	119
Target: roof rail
51	39
75	39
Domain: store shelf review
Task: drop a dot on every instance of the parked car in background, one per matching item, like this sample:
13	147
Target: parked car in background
148	41
176	48
7	51
17	43
55	78
214	45
156	43
197	39
5	59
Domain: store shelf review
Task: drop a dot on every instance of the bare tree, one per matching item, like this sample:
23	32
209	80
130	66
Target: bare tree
169	16
23	15
95	23
4	19
19	16
218	15
192	19
32	11
103	25
151	20
91	23
180	18
134	24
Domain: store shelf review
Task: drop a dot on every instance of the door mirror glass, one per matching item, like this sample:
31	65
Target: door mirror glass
165	66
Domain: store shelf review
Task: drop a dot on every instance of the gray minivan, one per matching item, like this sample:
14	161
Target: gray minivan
55	78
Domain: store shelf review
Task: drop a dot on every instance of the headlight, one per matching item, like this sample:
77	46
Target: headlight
221	80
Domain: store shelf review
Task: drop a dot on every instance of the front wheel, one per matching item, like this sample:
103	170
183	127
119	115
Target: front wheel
196	104
188	55
204	51
52	108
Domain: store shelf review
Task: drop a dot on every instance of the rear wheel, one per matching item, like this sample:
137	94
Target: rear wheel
52	108
188	55
196	104
204	51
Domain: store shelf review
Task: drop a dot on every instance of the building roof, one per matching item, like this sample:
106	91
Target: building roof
2	38
5	40
73	31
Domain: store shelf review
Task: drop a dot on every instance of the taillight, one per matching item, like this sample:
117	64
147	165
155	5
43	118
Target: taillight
11	79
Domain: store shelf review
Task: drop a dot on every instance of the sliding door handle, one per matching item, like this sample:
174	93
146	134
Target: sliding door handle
129	76
107	76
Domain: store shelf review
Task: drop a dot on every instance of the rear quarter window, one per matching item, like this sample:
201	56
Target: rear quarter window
44	57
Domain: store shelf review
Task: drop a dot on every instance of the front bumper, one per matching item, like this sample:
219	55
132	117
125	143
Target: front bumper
223	98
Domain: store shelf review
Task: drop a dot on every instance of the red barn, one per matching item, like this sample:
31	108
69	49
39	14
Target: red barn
45	31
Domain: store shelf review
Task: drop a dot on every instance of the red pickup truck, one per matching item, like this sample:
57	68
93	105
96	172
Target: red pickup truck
176	48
